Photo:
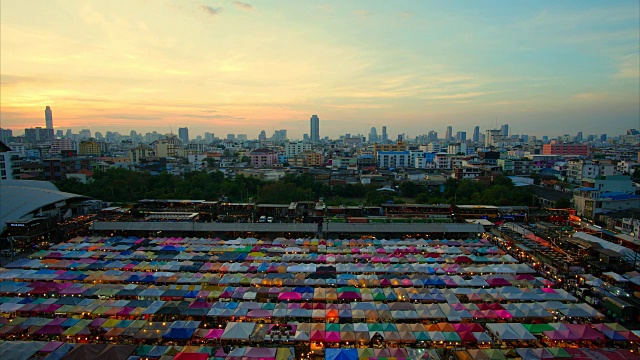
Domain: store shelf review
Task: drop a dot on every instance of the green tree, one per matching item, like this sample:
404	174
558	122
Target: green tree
376	198
563	203
409	189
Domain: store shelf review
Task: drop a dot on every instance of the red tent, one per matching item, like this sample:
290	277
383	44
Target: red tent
191	356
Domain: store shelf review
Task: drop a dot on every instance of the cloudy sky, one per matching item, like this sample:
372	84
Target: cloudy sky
544	67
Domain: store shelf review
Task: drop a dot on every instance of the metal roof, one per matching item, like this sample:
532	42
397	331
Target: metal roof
204	227
402	228
22	197
288	227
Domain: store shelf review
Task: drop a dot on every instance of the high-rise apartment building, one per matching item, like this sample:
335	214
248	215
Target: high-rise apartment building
493	137
5	135
448	134
476	134
183	134
38	134
280	135
133	135
84	134
60	145
48	118
315	129
293	149
262	136
433	135
9	163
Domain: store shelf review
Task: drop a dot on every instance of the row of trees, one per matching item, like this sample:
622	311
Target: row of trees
120	185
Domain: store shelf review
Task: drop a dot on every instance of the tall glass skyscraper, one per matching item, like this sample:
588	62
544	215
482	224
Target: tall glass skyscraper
315	129
449	134
183	135
48	118
476	134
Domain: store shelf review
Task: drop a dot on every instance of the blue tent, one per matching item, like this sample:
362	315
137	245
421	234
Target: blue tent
179	333
341	354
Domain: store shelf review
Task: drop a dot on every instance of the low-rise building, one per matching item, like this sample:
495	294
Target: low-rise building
263	158
590	202
556	148
515	166
89	148
393	159
140	152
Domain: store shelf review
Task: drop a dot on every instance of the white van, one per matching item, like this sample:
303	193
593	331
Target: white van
262	219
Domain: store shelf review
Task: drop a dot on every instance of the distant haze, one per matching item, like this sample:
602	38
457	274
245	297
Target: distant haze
544	67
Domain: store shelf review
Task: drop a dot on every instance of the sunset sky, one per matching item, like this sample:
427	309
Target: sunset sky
544	67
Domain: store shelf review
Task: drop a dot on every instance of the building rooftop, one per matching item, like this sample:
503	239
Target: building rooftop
618	196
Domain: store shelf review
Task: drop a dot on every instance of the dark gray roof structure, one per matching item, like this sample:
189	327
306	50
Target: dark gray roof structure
19	198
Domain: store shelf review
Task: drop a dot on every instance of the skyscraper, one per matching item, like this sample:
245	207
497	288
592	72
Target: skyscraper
385	137
373	135
504	130
262	136
48	118
448	134
183	134
315	129
461	136
476	134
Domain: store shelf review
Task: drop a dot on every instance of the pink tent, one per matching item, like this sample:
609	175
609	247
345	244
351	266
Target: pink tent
290	295
57	321
398	352
260	353
584	332
317	335
260	314
561	335
49	330
214	334
467	336
191	356
460	327
475	327
504	314
51	346
200	305
332	336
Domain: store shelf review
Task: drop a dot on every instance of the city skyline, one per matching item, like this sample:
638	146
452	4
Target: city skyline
239	67
313	136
